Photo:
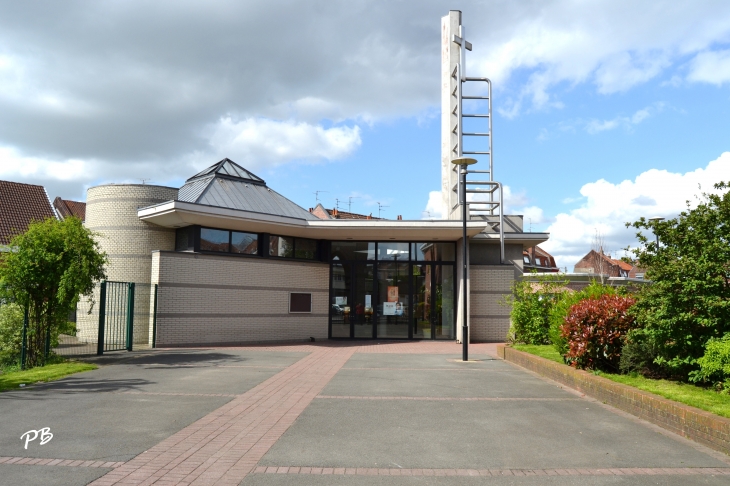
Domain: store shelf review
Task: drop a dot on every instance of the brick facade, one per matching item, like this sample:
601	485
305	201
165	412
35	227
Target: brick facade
111	212
488	285
210	299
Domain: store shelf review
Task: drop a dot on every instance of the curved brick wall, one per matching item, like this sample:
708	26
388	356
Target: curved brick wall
111	212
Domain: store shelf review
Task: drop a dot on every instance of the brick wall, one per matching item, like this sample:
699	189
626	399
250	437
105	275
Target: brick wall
210	299
693	423
111	212
489	320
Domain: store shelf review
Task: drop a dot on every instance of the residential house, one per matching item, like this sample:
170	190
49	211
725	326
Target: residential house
19	205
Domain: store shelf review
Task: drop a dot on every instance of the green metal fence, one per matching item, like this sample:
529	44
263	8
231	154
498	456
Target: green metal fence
123	317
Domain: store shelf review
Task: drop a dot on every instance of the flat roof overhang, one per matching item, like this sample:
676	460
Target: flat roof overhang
178	214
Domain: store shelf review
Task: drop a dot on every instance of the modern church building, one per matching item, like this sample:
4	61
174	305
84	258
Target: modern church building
236	262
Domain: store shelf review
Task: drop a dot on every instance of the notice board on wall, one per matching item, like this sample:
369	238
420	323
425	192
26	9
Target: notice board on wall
393	294
300	302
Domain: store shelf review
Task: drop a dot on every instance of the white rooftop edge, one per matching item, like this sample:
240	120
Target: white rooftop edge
178	214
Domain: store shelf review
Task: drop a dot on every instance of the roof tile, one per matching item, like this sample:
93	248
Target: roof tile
19	205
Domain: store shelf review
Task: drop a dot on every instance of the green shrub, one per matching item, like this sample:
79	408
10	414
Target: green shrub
531	302
638	355
595	331
561	306
11	327
715	364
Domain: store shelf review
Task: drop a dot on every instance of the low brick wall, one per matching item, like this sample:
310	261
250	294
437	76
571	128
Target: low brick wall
695	424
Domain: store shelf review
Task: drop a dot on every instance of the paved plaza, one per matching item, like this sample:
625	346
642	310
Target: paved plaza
330	413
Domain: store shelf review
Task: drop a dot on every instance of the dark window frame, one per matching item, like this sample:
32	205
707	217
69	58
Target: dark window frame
411	256
317	249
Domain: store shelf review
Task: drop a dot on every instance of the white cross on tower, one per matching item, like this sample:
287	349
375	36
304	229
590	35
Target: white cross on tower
463	43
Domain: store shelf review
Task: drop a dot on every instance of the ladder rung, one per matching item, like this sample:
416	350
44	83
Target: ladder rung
473	115
474	97
476	134
477	153
478	171
480	191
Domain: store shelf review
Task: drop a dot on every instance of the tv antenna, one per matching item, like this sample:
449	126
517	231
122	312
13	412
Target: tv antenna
144	181
316	195
428	213
349	202
337	204
380	208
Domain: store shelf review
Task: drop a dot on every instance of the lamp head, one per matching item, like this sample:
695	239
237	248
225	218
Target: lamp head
463	161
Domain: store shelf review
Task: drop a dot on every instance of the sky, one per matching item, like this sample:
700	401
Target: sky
604	111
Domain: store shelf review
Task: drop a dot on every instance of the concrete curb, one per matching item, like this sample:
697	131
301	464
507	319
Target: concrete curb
690	422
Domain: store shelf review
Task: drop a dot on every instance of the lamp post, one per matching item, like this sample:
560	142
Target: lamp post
656	219
463	162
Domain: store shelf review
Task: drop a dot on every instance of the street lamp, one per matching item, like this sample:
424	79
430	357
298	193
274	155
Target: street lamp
656	219
463	162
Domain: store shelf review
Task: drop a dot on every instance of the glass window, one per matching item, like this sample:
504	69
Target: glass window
353	250
214	240
393	251
245	243
184	239
434	252
281	246
304	248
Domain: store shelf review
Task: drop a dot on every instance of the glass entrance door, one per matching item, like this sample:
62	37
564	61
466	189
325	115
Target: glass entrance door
433	301
392	306
351	309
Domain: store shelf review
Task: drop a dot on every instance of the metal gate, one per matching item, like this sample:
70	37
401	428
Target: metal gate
122	318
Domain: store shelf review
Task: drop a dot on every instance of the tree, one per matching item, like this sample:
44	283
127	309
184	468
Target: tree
689	300
48	269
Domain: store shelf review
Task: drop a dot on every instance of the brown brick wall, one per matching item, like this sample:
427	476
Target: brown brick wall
693	423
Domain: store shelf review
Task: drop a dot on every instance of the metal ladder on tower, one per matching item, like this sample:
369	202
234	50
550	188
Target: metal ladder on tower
478	209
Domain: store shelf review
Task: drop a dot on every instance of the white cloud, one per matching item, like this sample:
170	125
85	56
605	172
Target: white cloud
710	67
435	208
616	45
596	126
259	141
514	202
607	207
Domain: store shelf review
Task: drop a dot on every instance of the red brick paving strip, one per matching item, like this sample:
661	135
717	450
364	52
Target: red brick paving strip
225	445
39	461
453	399
680	471
397	347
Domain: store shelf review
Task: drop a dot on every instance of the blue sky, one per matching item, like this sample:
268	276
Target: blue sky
605	111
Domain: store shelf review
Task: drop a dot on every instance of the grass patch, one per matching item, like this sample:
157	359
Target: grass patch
9	381
695	396
543	351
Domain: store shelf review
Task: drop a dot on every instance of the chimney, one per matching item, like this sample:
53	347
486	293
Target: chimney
311	210
370	216
334	212
400	218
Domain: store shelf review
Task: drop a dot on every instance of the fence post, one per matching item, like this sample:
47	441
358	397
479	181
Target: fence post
24	348
130	315
102	318
154	319
48	345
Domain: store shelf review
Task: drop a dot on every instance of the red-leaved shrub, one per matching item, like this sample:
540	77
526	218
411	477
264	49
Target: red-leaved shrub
595	329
